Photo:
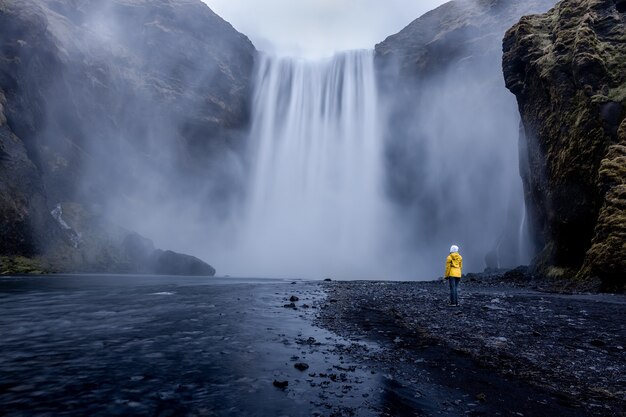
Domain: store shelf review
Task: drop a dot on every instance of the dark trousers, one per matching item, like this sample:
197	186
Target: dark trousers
454	290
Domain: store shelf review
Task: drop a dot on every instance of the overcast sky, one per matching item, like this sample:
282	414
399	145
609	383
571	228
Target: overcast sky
313	28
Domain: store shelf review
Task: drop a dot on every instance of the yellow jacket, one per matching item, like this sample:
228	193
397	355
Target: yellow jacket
454	265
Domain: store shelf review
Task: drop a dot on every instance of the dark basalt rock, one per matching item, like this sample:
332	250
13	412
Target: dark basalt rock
281	384
172	263
301	366
568	70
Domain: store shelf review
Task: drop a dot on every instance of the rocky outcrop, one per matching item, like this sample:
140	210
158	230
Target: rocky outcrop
23	211
453	128
172	263
111	105
568	70
464	34
89	243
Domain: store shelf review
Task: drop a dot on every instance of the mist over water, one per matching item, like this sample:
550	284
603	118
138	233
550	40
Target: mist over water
315	203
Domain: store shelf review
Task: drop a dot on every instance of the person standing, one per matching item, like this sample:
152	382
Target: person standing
454	269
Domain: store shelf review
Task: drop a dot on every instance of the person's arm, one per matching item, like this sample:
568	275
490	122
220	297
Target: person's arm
461	265
448	265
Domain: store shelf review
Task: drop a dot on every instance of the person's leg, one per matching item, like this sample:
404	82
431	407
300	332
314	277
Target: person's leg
456	290
452	291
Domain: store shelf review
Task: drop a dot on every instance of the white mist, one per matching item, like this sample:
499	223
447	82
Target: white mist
315	205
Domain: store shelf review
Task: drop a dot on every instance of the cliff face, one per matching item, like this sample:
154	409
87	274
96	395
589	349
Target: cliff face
460	33
113	101
453	129
568	70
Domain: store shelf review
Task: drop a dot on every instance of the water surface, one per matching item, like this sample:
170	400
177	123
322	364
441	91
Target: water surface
137	345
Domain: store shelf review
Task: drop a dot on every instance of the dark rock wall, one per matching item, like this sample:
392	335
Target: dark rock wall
23	209
118	81
109	102
24	216
568	70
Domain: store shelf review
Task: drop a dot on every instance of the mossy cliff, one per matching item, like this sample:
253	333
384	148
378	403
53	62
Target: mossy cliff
567	68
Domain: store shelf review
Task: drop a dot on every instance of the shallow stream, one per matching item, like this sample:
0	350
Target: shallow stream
143	345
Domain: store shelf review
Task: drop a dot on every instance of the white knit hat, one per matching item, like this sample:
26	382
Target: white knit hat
454	248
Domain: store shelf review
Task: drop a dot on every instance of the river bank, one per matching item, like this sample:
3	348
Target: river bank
508	349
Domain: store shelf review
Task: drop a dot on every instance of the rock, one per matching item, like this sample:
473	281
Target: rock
100	245
293	298
172	263
281	384
518	274
26	227
567	69
493	307
87	242
301	366
327	279
290	305
137	247
597	343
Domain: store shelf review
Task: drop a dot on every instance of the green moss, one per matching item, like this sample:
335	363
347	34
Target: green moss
618	94
19	265
555	272
599	98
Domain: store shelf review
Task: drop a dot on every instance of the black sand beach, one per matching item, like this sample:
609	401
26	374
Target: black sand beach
507	350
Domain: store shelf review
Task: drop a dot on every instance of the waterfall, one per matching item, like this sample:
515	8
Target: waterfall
315	205
525	247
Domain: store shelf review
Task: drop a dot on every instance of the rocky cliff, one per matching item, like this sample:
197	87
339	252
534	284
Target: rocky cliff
113	102
568	70
466	33
453	128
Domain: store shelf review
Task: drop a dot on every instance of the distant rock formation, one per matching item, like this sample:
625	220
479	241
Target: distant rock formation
100	100
172	263
464	33
88	243
568	70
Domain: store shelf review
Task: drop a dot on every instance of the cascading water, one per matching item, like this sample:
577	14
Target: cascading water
316	205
